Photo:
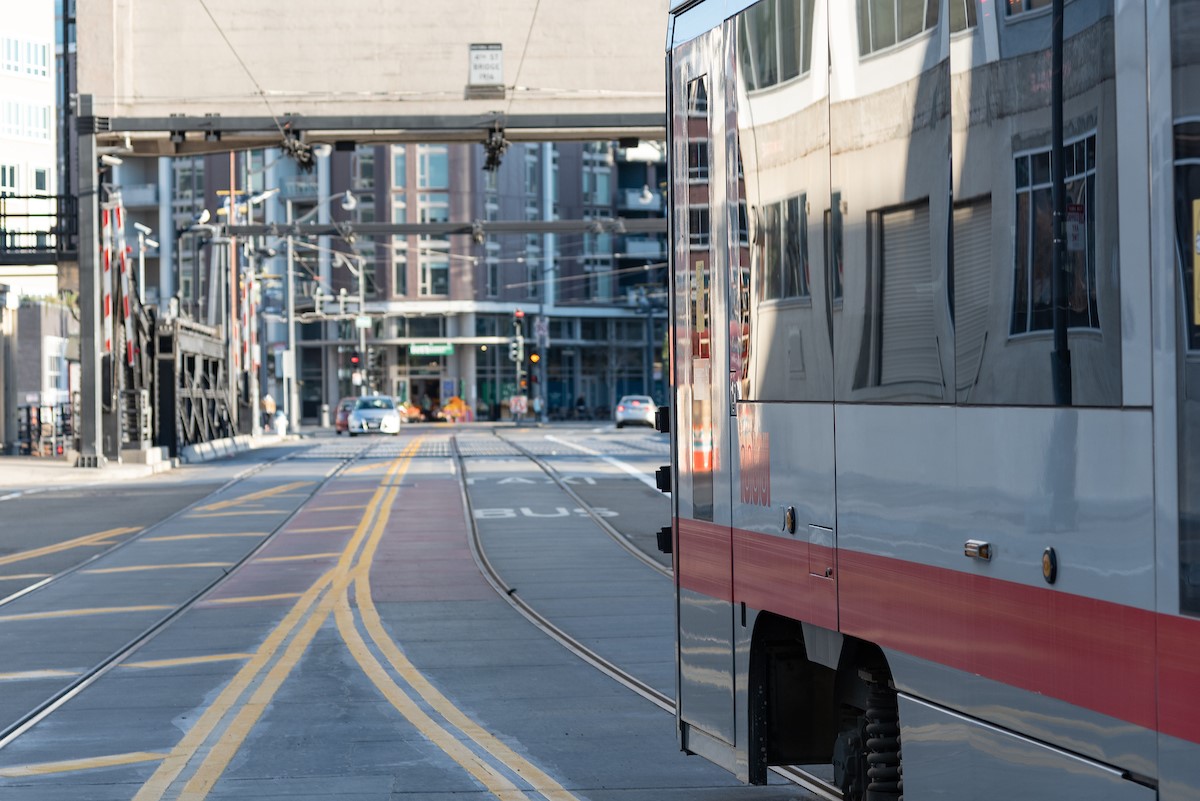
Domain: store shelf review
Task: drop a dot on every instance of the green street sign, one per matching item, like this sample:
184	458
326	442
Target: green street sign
441	349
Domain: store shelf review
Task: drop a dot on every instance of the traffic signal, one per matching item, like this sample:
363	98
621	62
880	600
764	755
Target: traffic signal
355	359
516	349
535	357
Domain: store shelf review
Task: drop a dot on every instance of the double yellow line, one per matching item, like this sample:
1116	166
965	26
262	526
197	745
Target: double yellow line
330	594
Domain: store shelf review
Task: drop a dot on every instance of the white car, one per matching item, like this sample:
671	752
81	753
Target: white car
638	409
373	414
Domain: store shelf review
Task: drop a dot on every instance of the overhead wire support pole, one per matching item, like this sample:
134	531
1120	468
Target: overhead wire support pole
1060	357
291	391
91	446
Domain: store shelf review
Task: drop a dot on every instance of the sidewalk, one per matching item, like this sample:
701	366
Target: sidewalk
21	474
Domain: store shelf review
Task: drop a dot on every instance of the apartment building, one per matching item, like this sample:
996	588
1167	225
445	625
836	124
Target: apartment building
442	308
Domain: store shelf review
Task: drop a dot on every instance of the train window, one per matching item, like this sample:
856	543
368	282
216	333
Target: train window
783	319
1185	60
698	277
1002	243
888	223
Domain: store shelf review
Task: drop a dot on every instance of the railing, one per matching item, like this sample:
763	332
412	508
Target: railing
38	228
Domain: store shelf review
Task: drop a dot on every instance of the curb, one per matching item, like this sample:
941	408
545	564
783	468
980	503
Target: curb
220	448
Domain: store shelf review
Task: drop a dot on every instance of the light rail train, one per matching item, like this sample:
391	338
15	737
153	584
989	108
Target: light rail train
936	492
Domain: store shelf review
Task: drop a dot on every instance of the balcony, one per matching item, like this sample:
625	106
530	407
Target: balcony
639	200
137	196
300	187
644	247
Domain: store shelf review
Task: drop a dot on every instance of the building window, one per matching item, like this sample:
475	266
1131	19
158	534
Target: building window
531	171
41	180
698	226
698	160
399	167
8	179
12	55
1015	7
435	272
433	166
1033	297
886	23
363	167
399	265
775	42
493	277
962	15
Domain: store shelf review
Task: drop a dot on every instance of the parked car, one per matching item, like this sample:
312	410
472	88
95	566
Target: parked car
638	409
341	418
373	413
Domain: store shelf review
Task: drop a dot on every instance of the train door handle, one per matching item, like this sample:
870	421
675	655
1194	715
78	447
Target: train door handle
978	549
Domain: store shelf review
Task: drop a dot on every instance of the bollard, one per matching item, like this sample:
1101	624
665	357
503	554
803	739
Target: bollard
324	415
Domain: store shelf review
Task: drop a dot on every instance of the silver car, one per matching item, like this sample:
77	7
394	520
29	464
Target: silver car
372	414
637	409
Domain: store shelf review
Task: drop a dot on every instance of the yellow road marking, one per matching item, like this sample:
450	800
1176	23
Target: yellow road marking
29	675
298	557
177	760
317	530
91	539
99	610
178	537
348	491
351	508
254	496
166	774
90	763
239	513
18	576
185	660
496	783
231	739
540	781
249	599
140	568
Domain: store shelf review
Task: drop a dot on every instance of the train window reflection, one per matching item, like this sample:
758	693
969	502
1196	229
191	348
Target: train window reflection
962	15
1033	303
775	42
884	23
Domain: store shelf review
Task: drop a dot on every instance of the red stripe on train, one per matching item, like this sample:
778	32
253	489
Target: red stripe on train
1095	654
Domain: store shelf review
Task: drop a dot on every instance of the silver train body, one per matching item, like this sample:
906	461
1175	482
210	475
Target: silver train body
908	554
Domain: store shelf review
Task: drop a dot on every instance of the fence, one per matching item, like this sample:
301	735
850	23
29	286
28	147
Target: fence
45	430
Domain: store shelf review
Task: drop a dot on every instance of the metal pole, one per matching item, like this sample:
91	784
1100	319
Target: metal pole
362	332
141	291
289	362
1060	357
91	451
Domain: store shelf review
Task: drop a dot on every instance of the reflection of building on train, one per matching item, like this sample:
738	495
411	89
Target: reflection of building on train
890	512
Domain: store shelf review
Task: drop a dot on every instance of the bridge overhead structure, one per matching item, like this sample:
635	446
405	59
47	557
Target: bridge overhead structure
174	77
184	76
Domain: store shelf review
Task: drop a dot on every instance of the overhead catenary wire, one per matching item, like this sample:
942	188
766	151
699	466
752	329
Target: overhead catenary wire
245	67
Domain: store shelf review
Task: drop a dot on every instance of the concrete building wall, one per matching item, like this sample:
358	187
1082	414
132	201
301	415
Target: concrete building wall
28	129
153	58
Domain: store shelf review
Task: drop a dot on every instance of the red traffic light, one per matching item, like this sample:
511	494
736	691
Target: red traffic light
354	358
518	314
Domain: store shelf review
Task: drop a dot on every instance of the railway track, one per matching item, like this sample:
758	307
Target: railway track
813	784
75	684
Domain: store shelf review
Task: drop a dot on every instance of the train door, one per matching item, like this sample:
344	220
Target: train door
704	569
